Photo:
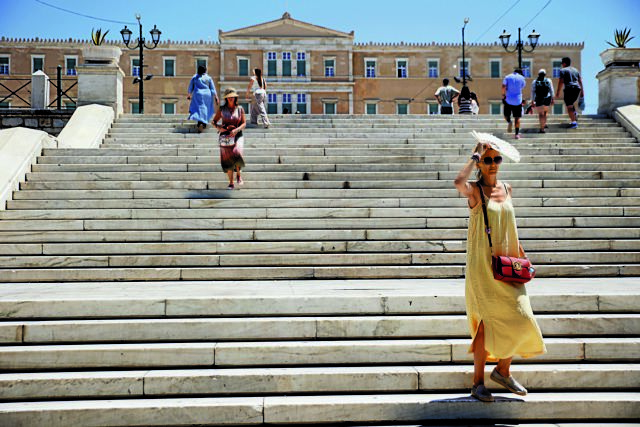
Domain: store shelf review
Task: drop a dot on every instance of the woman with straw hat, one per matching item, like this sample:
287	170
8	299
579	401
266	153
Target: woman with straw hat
500	318
230	136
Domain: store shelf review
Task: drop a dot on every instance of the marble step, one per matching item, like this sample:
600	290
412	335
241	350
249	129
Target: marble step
556	208
213	167
239	298
295	328
293	353
322	410
356	236
281	353
256	150
585	255
326	379
253	181
529	163
93	274
292	247
450	193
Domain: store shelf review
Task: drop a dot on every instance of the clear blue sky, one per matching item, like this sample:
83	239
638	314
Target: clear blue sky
588	21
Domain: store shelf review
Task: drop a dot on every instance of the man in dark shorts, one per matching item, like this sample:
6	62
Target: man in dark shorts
512	86
445	95
573	88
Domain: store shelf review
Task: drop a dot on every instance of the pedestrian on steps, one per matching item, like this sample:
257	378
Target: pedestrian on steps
230	136
573	89
202	93
512	86
499	314
475	104
445	95
258	86
465	101
542	95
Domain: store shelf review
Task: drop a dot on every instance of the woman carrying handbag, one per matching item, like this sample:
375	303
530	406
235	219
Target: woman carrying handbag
500	318
230	136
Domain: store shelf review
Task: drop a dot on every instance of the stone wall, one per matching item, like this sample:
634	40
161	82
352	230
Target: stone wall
49	121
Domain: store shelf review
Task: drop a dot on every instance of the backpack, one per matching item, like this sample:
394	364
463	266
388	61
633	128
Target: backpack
543	88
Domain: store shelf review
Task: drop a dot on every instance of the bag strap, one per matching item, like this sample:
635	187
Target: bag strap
487	229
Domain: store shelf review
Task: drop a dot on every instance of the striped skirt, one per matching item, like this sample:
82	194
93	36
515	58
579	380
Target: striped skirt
232	157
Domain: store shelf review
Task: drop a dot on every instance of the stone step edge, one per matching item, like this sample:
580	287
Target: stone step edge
388	378
324	409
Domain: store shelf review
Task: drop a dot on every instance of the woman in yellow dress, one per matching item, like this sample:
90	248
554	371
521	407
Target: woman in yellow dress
500	318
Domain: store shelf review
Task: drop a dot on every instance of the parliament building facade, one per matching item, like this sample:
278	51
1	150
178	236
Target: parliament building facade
309	69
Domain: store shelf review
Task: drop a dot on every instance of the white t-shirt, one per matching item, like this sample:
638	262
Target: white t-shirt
254	84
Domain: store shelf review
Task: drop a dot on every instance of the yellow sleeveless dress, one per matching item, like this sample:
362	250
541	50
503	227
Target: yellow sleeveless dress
509	325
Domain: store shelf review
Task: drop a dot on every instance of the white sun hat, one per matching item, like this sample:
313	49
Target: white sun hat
501	146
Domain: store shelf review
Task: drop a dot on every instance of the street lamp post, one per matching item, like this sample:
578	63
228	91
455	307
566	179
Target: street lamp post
464	64
533	41
155	38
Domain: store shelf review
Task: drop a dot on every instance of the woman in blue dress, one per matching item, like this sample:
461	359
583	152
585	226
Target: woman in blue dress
202	93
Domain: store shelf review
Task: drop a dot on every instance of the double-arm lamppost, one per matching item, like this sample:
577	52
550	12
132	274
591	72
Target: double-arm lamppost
533	42
464	64
155	38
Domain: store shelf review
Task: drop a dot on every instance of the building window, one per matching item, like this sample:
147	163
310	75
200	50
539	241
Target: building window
135	107
556	66
371	108
135	67
169	67
495	68
433	66
5	65
464	68
243	67
301	105
557	108
272	103
401	68
37	63
245	106
286	103
402	108
433	108
70	63
496	108
168	108
329	67
526	68
329	108
5	105
201	62
286	64
370	68
69	105
272	64
301	65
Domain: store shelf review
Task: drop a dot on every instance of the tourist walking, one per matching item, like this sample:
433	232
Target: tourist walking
499	314
230	137
202	93
446	95
475	104
465	101
258	86
573	89
512	86
542	97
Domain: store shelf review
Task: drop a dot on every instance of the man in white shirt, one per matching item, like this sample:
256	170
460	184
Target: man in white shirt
446	95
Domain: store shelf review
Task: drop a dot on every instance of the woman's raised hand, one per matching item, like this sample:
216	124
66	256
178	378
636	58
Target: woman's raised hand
481	148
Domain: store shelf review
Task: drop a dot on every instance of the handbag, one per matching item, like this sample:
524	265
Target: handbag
505	268
226	140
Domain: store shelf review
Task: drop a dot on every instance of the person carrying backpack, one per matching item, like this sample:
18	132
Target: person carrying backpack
542	95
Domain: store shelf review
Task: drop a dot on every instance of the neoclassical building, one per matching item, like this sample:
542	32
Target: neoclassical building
309	68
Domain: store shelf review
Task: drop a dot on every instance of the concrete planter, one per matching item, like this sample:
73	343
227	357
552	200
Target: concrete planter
101	54
620	57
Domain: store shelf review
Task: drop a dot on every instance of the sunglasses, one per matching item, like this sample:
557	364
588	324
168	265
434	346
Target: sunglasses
490	160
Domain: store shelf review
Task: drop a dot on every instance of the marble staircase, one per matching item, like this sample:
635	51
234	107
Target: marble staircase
136	290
